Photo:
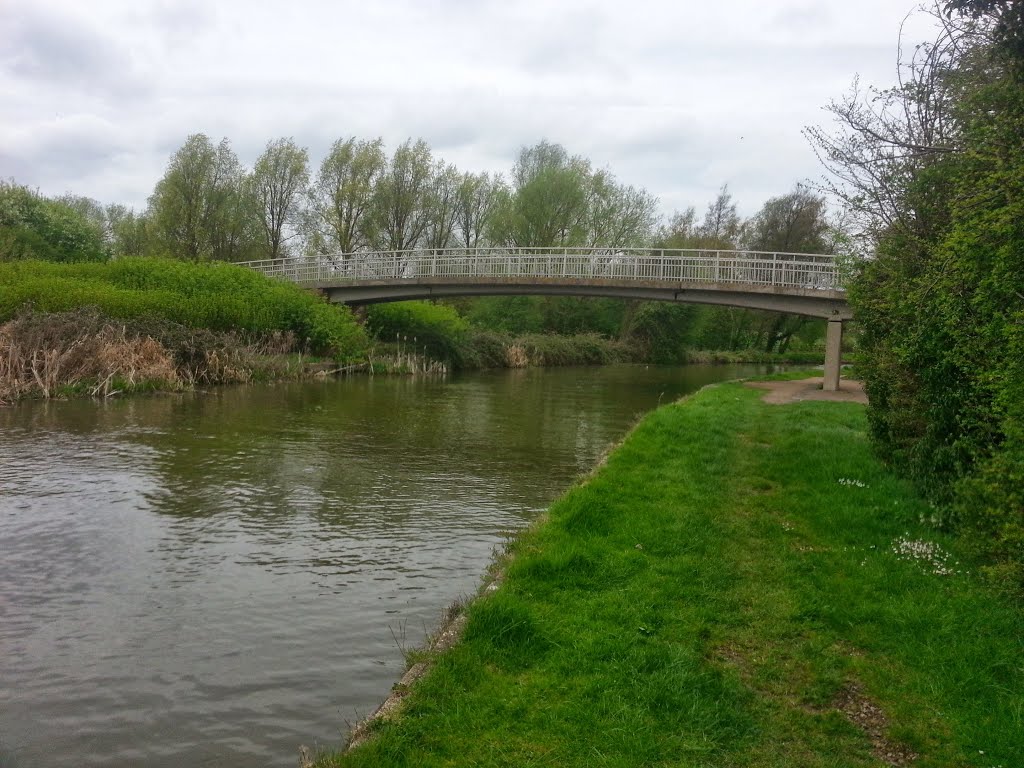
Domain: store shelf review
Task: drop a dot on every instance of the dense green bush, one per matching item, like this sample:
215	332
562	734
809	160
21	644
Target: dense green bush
33	227
660	330
486	349
504	314
436	328
942	312
217	296
566	315
490	349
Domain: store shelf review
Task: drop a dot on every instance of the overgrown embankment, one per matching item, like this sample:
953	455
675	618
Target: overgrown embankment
740	584
440	332
153	323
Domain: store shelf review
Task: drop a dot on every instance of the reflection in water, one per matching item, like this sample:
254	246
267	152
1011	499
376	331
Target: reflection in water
215	578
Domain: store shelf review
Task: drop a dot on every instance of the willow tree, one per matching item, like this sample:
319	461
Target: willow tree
277	185
199	209
476	200
547	205
442	202
340	200
401	204
796	222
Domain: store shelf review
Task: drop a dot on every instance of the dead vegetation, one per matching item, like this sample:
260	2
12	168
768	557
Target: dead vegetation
516	356
45	355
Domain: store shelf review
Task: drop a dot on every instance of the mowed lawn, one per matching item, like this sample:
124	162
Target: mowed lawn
740	584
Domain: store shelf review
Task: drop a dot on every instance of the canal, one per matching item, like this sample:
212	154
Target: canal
216	578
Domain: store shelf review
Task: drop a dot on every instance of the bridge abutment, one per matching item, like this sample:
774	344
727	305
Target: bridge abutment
833	355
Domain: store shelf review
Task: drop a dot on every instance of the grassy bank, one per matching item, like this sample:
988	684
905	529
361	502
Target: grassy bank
739	585
213	296
145	324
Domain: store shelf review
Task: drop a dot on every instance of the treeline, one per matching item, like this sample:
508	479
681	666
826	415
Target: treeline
208	207
933	169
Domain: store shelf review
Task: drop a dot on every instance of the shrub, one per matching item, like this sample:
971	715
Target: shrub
33	227
437	328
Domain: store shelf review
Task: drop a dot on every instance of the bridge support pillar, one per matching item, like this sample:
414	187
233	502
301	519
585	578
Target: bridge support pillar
833	355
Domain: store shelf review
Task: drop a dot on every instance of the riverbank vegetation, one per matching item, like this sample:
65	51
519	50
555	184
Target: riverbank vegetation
933	169
507	333
139	324
740	584
129	324
209	208
84	352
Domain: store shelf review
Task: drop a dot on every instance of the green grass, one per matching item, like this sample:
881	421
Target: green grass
706	598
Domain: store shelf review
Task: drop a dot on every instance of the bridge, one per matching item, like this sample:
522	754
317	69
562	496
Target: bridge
795	283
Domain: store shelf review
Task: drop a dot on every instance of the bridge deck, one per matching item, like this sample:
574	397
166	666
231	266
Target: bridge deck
800	283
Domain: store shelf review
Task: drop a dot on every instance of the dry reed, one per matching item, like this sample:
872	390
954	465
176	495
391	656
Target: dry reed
45	355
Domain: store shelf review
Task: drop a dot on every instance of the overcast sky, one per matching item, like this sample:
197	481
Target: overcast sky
675	96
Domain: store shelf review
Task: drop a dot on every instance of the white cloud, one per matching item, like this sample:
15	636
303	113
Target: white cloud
675	97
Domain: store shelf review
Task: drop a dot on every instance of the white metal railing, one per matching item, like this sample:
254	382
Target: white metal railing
751	268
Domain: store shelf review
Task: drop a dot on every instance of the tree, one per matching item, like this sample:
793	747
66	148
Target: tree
681	230
443	206
129	231
548	203
91	211
198	209
792	223
721	225
885	142
278	181
341	199
401	204
933	168
660	330
477	198
1006	20
618	216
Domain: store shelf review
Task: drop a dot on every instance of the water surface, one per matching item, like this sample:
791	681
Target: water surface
216	578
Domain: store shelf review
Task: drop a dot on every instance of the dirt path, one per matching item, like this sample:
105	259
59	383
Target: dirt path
782	392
